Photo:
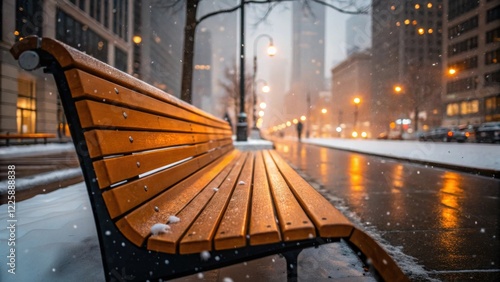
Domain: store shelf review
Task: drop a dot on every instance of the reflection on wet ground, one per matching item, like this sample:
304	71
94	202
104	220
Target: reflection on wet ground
447	220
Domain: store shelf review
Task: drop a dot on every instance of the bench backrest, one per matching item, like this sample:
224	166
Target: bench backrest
135	141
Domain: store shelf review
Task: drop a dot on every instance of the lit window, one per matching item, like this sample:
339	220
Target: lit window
430	30
429	5
421	31
407	22
414	22
417	6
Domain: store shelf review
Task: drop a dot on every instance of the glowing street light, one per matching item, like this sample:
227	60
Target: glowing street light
137	39
266	88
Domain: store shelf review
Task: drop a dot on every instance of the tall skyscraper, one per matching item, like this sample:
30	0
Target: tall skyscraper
406	48
471	93
212	57
308	47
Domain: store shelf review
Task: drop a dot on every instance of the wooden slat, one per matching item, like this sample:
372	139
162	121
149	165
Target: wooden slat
263	227
109	171
113	170
103	143
200	234
85	85
293	221
168	242
329	221
125	197
232	229
94	115
136	226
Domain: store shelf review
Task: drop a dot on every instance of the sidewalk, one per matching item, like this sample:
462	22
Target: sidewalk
483	159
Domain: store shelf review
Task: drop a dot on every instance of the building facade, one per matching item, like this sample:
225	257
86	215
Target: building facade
471	39
129	35
406	48
29	101
351	79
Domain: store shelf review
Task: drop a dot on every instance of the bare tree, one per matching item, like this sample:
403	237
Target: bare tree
191	10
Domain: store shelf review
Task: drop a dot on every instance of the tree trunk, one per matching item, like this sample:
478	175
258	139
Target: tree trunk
188	51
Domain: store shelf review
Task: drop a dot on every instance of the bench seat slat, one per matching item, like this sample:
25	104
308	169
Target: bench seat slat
103	143
263	226
101	115
200	234
335	224
169	242
113	170
136	225
125	197
293	221
87	86
232	229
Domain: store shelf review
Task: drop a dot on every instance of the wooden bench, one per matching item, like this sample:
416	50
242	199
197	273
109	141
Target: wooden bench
151	160
8	136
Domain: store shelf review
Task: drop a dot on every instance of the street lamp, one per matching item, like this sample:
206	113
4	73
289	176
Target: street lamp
242	126
271	51
356	103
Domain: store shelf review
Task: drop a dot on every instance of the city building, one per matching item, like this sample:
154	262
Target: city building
308	55
406	64
471	60
213	55
351	96
29	102
129	35
158	50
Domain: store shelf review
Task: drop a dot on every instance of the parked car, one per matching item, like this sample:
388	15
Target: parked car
437	134
488	132
391	135
469	131
458	134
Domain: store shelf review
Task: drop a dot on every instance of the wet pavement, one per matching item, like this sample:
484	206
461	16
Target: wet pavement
447	220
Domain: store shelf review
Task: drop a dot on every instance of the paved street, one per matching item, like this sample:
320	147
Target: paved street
447	220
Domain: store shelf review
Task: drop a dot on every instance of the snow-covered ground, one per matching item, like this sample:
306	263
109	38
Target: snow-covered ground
469	155
55	237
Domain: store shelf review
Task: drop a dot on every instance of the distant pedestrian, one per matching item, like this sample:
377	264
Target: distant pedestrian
228	119
299	129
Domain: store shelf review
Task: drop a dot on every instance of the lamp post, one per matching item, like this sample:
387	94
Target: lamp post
356	103
271	51
242	126
399	89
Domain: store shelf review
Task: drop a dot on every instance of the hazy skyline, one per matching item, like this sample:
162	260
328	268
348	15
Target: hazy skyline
279	26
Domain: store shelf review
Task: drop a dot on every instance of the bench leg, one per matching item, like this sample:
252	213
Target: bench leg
291	258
